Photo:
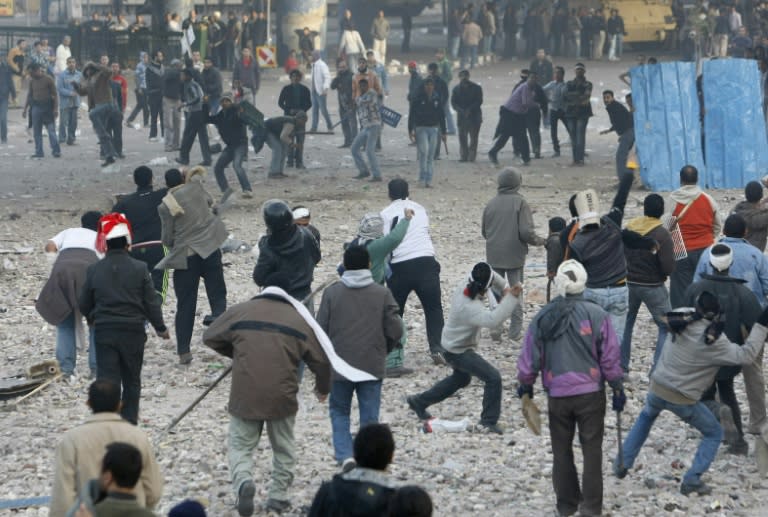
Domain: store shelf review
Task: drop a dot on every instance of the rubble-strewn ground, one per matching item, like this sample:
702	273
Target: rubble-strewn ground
465	473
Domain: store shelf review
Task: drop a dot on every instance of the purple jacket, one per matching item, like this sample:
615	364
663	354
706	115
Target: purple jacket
572	342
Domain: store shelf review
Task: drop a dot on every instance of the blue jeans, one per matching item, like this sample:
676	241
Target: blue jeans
38	114
101	116
577	129
455	43
367	137
66	346
450	124
340	407
67	124
614	301
697	415
279	153
656	300
320	104
470	56
426	143
213	105
233	154
4	120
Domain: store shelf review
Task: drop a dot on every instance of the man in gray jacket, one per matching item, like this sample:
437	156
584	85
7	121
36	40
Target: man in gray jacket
362	319
687	367
508	230
193	233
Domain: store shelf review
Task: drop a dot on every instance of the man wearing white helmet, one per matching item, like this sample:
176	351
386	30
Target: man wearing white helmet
572	343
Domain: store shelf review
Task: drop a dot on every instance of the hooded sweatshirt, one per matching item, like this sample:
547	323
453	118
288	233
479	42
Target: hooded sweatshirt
362	320
645	266
756	216
295	253
468	316
507	224
360	492
687	366
701	223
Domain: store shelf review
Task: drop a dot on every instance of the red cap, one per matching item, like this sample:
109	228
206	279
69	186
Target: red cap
412	64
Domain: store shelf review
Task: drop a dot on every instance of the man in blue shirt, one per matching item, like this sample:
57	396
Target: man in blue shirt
69	101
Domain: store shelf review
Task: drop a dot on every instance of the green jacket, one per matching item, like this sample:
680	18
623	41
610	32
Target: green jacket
116	505
380	249
445	69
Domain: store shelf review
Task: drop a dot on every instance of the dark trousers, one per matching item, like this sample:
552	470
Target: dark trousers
577	129
348	124
533	125
558	42
296	153
724	388
141	105
185	284
468	132
515	130
682	277
556	116
421	275
155	103
115	130
151	256
119	358
588	413
195	127
465	366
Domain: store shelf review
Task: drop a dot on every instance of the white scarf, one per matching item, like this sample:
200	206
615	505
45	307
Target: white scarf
339	365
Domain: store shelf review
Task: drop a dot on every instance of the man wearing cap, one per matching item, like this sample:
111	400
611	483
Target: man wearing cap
413	263
467	99
741	312
194	235
140	208
598	245
295	98
234	135
321	81
572	343
280	135
684	371
414	81
512	121
117	299
578	109
700	220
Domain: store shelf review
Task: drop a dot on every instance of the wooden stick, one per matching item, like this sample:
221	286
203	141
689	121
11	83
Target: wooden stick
39	388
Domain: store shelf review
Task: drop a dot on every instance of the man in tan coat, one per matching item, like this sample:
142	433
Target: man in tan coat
79	454
268	338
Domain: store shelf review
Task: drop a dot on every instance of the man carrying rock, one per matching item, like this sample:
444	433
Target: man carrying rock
281	132
508	229
193	234
117	299
685	370
572	343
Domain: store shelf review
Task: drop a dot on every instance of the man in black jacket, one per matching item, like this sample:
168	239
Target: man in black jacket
117	298
212	85
294	98
233	133
647	272
342	83
441	88
467	99
287	248
154	79
140	208
622	123
172	90
426	120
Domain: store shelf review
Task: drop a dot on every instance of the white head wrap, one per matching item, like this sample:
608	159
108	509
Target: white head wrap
571	278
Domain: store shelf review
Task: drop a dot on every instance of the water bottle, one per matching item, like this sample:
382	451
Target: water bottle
439	425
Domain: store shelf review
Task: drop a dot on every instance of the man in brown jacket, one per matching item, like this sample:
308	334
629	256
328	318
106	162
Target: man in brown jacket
267	339
43	108
97	85
79	454
362	319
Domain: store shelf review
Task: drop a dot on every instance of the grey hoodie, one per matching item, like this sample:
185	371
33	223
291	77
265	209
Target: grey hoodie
507	224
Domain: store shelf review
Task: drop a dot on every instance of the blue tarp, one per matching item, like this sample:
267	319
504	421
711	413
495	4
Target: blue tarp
734	127
667	128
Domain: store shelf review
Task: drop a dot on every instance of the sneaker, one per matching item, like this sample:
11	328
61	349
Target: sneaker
109	160
208	319
490	428
362	175
398	371
348	464
276	505
437	357
181	162
245	498
619	472
739	448
417	408
186	359
37	156
701	489
247	194
226	195
154	139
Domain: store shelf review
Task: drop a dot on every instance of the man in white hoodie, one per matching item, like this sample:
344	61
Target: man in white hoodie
321	82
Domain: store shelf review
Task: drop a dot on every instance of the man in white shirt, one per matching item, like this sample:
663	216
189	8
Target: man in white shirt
63	53
321	82
57	302
413	264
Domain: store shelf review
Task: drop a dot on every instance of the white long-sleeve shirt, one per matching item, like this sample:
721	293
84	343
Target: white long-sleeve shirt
321	77
417	241
62	54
